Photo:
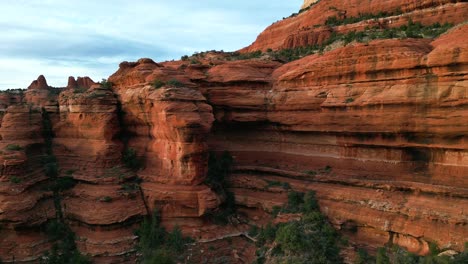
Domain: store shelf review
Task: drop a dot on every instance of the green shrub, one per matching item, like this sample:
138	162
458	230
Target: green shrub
155	244
275	210
48	159
308	240
398	255
267	234
131	160
176	241
462	257
310	202
363	257
382	257
13	147
64	249
246	56
15	180
63	184
158	84
194	62
327	169
94	95
56	230
174	83
225	210
129	187
253	231
106	199
283	185
289	237
51	169
160	256
349	100
69	172
106	84
335	21
79	90
295	202
219	169
151	234
433	248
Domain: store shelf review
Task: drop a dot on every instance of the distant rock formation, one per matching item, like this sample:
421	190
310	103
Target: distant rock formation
40	83
80	82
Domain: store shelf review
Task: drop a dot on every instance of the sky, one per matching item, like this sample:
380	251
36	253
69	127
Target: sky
61	38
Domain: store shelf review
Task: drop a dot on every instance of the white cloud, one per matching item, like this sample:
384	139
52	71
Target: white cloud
83	37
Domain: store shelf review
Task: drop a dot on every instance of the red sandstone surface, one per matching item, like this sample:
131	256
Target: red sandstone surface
309	28
387	117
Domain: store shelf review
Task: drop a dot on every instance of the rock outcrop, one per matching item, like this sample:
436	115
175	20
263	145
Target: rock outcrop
170	128
103	207
375	129
307	3
24	205
39	84
310	27
80	83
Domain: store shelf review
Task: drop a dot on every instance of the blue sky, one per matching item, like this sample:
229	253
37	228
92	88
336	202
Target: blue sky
60	38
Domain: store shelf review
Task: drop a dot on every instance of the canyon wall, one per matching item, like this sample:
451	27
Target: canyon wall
310	27
378	129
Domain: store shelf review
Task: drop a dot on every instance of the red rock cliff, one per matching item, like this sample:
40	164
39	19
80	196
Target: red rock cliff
310	28
387	118
378	129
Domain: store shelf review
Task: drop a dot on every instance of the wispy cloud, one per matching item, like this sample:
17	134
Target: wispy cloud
83	37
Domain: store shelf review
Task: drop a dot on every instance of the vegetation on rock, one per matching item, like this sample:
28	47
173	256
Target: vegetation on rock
308	240
174	83
105	84
336	21
397	255
13	147
157	84
410	30
218	170
131	160
156	246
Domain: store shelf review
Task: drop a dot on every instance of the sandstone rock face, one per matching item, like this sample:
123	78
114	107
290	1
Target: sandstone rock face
169	127
307	3
24	205
80	82
385	118
309	28
88	148
40	83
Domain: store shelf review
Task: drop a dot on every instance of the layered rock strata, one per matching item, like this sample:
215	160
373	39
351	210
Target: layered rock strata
377	129
168	128
310	27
